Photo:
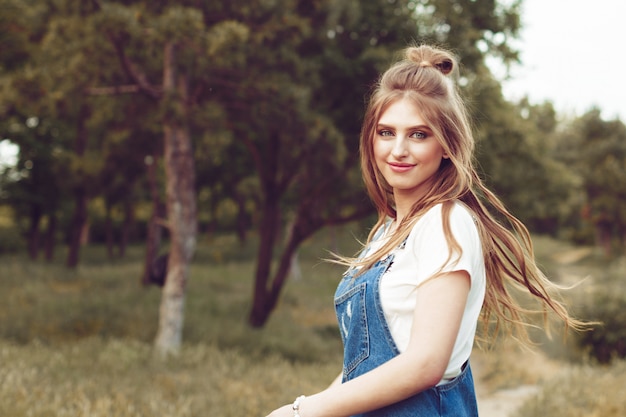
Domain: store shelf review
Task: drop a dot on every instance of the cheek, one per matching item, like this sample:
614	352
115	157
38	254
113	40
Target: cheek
379	155
435	153
378	150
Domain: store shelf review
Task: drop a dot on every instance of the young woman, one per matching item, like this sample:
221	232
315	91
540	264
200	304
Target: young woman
436	260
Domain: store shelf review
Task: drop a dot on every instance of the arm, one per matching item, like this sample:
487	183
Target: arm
437	318
337	381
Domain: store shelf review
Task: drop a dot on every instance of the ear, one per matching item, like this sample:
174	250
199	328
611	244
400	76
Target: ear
445	155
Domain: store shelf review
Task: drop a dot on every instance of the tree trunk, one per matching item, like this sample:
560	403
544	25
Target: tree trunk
242	218
266	297
154	232
77	226
295	272
108	230
127	225
305	223
50	237
261	304
34	233
79	217
181	207
212	224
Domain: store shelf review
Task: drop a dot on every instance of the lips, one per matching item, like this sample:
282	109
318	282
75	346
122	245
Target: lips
400	166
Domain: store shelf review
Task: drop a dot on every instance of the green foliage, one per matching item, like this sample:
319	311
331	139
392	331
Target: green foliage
14	41
178	24
34	187
473	28
608	340
275	105
516	154
606	304
225	34
596	150
305	65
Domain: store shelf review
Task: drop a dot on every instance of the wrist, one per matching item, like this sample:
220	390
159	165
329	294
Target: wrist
296	406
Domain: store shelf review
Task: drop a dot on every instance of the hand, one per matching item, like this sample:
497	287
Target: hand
284	411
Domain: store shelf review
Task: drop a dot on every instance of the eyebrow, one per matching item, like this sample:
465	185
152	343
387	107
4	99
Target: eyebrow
422	127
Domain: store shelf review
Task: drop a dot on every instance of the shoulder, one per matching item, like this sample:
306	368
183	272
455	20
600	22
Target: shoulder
446	238
460	219
458	213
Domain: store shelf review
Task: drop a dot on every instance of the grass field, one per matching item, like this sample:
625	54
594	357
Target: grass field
78	343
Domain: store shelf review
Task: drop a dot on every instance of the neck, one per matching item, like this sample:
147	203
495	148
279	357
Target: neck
403	207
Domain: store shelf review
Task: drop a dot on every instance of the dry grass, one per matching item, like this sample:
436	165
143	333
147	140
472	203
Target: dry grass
508	366
563	377
93	378
79	343
581	391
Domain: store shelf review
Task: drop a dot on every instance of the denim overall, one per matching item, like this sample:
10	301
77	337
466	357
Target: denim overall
368	343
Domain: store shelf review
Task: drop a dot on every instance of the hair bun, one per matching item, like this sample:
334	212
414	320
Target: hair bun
427	56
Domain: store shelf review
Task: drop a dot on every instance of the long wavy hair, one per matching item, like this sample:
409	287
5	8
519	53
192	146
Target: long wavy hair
427	76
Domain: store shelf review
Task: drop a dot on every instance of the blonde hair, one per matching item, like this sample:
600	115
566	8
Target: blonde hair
425	76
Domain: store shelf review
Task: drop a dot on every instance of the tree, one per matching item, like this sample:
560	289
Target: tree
225	175
175	35
124	168
515	153
287	117
74	48
31	186
33	121
281	83
596	150
313	63
50	86
554	191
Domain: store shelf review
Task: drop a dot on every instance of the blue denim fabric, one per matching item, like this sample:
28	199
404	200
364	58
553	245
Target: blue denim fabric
368	344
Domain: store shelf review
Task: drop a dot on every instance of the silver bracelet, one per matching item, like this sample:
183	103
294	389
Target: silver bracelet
296	406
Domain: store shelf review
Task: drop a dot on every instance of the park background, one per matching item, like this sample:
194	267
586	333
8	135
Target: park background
217	142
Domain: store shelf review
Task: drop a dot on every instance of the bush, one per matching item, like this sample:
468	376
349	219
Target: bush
607	340
11	241
602	300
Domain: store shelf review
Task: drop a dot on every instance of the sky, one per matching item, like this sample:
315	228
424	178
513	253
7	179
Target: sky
573	54
7	154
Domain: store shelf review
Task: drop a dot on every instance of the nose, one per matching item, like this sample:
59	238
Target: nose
399	149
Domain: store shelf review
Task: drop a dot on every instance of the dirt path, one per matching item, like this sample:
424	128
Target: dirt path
504	402
505	379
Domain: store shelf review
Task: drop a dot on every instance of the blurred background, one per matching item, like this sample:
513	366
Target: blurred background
174	173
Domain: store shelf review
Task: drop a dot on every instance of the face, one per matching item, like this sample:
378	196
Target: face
406	152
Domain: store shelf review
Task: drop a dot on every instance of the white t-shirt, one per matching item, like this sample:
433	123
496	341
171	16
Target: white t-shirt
424	254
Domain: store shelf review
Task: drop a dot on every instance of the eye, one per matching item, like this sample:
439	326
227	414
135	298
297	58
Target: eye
419	134
385	132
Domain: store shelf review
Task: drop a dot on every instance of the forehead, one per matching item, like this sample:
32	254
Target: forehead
402	113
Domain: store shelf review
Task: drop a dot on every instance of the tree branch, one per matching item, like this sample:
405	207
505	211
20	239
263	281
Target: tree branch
133	71
113	90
